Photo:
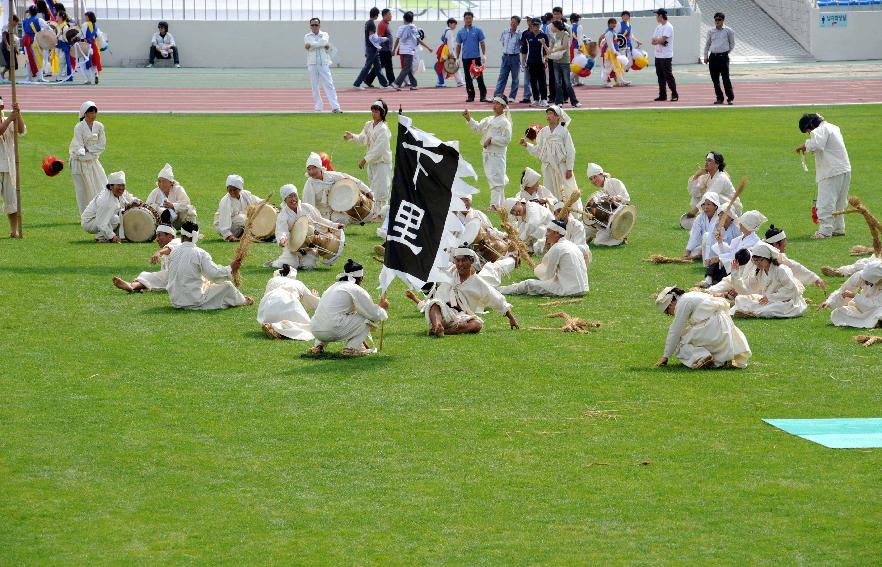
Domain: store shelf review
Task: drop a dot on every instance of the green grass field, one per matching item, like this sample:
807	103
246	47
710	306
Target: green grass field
134	433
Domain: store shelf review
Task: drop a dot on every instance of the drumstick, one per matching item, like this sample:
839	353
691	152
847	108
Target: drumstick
246	240
741	185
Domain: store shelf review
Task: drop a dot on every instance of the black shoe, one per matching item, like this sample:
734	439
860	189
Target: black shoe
718	102
526	101
731	102
661	99
675	98
470	99
485	100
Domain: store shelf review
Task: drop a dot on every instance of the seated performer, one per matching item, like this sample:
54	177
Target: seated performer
292	209
703	333
470	213
495	133
378	139
562	272
725	252
195	281
232	211
858	303
773	292
611	188
453	308
575	232
347	313
850	269
154	281
170	196
532	191
733	284
318	188
531	221
103	215
282	311
711	177
702	235
776	237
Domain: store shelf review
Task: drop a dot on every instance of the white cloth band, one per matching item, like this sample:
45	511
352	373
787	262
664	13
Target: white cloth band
777	238
166	229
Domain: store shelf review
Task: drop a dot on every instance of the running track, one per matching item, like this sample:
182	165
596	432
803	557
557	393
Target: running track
157	96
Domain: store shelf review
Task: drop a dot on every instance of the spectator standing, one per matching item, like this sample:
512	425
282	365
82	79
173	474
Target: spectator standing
533	46
471	48
663	40
448	36
318	61
559	58
527	92
576	32
511	59
384	31
372	43
720	41
556	16
163	45
407	41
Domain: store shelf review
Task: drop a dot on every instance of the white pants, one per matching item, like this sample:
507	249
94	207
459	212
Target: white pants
832	196
93	228
295	260
352	328
380	181
89	179
237	226
217	296
321	75
7	193
153	281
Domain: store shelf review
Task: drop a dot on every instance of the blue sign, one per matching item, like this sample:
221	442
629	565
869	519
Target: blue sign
834	20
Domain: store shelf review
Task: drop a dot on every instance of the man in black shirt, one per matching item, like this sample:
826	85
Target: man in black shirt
371	51
533	57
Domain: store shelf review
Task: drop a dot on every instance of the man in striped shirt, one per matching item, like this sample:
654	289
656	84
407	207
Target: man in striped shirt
720	41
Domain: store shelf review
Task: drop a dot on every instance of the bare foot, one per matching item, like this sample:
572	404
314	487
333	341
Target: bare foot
248	301
317	349
125	286
437	330
412	296
270	332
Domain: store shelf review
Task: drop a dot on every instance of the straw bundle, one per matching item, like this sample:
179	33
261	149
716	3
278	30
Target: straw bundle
564	302
246	240
659	259
872	222
571	325
868	340
564	213
860	250
515	239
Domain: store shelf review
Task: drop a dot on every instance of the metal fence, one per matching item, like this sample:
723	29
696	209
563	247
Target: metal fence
425	10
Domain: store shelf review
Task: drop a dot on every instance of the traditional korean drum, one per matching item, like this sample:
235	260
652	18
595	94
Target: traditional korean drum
686	221
139	223
72	35
80	50
324	241
451	65
346	197
263	225
47	38
607	213
487	245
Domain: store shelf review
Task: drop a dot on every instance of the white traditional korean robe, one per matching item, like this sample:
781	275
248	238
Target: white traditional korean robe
864	311
737	281
158	281
473	214
612	187
532	226
858	266
783	291
498	130
182	209
720	183
727	250
557	153
378	140
103	215
284	306
192	277
462	301
575	233
800	272
88	176
703	235
562	272
541	193
229	220
7	168
347	313
284	223
703	327
317	191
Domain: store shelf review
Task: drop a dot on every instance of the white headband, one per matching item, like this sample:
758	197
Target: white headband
711	156
664	299
500	100
189	234
777	238
465	252
351	276
166	229
557	228
378	104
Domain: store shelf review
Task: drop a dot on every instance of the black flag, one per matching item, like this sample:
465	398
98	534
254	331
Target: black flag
425	170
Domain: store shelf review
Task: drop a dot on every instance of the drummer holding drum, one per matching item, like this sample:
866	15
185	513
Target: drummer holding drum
337	196
612	201
170	196
295	223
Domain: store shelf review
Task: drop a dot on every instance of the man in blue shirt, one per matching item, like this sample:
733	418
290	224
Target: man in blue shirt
511	59
470	48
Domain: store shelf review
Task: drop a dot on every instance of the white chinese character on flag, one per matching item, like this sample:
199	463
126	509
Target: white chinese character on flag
435	157
407	221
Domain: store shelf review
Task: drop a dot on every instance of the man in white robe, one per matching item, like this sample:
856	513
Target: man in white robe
452	308
154	281
832	172
472	214
533	192
347	313
702	235
850	269
282	311
232	211
748	223
778	240
703	333
292	210
7	166
531	220
378	159
88	143
195	281
610	188
555	149
858	303
562	272
103	216
575	234
317	190
169	195
711	178
495	133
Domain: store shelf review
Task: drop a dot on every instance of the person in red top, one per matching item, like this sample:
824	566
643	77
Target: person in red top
384	30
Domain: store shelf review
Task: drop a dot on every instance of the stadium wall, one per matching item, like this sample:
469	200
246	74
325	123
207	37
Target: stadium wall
859	40
223	44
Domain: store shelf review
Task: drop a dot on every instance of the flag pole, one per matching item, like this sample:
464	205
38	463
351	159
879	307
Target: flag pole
13	61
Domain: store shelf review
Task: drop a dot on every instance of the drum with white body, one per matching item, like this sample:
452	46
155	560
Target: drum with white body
451	65
346	197
686	221
263	225
81	50
604	212
324	241
486	244
139	223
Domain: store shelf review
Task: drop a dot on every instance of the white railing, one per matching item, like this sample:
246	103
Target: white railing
299	10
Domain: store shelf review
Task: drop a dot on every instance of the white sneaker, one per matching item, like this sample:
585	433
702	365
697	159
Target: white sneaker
610	85
543	104
149	65
177	65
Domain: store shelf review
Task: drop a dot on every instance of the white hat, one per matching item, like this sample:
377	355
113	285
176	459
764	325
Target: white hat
287	189
664	299
561	113
711	196
558	205
85	107
292	273
529	178
166	229
510	203
763	250
235	181
465	251
872	273
117	178
166	173
594	169
314	159
752	220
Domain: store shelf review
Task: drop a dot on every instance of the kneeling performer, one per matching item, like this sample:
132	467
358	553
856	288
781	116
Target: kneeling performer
562	272
282	311
232	211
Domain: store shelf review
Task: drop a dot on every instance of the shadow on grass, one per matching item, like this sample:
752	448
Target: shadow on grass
333	363
69	269
167	309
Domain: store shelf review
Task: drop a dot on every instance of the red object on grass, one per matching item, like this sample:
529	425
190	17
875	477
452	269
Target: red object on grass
52	166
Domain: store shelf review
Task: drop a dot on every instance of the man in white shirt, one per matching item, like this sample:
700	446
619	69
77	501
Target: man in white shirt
663	40
163	45
318	60
832	172
169	195
103	215
154	281
561	273
232	211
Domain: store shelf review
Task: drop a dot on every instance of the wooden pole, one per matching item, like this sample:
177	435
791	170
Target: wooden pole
13	61
382	327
